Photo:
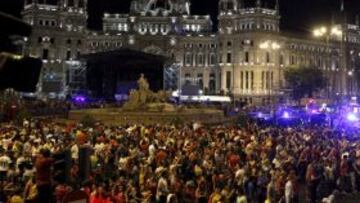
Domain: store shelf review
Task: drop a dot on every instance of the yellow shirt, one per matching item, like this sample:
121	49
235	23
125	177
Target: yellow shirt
16	199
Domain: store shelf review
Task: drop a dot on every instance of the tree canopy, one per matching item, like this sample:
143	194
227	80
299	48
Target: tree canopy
305	80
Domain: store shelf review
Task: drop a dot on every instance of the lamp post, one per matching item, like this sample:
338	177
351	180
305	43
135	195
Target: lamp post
325	32
350	74
270	46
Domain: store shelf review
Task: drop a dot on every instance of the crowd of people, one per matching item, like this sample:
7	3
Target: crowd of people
167	164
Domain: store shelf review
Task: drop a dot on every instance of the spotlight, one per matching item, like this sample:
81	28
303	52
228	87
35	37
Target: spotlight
352	117
286	115
80	99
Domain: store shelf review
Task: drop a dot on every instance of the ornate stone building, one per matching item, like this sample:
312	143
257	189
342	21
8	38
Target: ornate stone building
246	57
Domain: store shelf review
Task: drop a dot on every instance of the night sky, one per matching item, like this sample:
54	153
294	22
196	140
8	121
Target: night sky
297	15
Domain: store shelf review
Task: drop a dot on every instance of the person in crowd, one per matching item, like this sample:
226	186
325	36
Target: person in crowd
164	163
43	166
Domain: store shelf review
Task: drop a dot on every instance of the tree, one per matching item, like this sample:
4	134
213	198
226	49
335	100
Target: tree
305	80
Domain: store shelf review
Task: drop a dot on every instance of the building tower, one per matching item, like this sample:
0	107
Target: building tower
245	67
59	29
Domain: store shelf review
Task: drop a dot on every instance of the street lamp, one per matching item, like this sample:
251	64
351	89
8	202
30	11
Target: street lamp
323	32
350	74
270	46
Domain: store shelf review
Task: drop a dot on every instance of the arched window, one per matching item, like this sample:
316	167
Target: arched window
81	3
70	3
200	59
188	59
230	5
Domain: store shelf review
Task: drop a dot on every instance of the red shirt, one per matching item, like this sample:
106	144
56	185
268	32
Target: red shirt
43	170
99	199
120	198
234	159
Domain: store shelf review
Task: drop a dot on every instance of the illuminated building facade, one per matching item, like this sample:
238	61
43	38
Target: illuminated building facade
245	57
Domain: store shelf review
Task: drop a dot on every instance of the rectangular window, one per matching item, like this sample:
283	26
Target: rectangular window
292	60
68	55
200	80
45	54
247	57
262	79
242	80
246	80
201	59
252	80
267	80
281	59
228	79
212	59
228	58
188	59
267	57
220	58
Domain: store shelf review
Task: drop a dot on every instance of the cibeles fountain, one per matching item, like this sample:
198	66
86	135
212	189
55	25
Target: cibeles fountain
147	107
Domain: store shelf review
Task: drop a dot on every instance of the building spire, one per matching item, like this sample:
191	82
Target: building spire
277	6
342	7
258	3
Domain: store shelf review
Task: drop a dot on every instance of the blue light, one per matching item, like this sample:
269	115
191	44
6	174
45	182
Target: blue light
79	99
352	117
286	115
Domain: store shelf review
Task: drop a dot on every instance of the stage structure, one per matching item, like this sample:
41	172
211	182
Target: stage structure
116	72
76	78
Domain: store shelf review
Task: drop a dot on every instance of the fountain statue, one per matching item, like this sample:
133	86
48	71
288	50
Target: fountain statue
144	99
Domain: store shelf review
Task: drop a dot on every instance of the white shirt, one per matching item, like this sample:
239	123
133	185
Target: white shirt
152	150
162	187
288	191
5	162
75	152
